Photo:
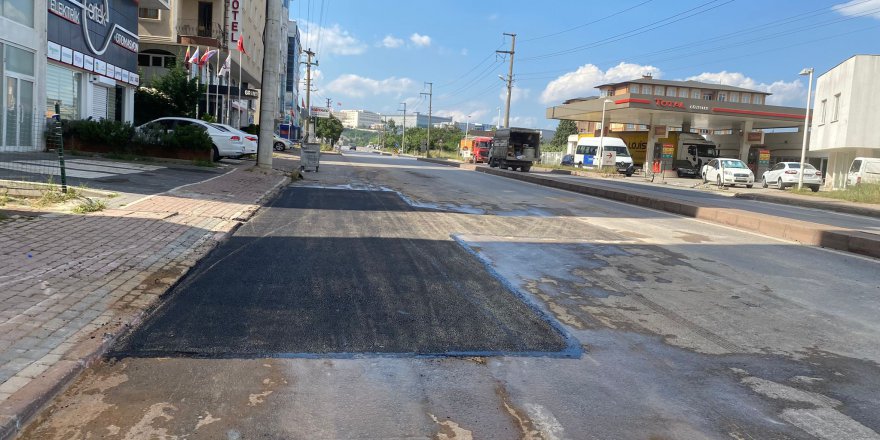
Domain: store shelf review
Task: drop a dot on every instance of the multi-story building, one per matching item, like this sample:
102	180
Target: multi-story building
165	35
416	120
22	74
844	112
359	118
292	101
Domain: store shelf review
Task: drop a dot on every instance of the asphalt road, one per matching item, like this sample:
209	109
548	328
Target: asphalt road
689	330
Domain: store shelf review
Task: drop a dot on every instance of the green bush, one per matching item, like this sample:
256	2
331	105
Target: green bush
102	132
187	137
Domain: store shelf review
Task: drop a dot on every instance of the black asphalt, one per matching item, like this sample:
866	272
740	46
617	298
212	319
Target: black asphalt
338	272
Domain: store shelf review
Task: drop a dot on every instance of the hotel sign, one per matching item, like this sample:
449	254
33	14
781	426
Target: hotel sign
105	30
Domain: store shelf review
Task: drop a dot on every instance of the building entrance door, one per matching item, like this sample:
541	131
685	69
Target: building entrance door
19	112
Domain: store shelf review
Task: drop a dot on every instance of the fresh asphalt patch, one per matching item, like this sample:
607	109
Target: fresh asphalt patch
338	272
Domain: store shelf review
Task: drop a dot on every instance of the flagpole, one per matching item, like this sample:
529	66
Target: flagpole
239	88
228	93
217	90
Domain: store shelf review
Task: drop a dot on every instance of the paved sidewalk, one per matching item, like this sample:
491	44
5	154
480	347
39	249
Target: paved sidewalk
70	284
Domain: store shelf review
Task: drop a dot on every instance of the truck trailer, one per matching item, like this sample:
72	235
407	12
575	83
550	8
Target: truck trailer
515	148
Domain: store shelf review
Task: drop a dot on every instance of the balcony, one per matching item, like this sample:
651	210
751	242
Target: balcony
201	33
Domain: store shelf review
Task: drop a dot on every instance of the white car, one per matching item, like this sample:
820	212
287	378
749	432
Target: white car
785	174
249	141
226	144
728	172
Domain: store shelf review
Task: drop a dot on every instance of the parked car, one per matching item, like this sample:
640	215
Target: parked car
785	174
249	141
863	170
280	144
568	159
728	172
684	168
352	148
225	143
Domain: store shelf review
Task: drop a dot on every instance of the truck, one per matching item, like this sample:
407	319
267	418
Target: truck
588	152
475	149
688	146
515	148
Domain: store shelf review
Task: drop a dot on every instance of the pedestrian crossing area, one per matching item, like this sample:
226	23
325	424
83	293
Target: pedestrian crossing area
78	168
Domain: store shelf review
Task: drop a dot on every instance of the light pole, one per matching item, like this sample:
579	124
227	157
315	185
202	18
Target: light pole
467	125
807	71
403	138
498	122
602	132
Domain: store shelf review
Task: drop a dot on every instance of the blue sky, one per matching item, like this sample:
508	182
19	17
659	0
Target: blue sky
376	54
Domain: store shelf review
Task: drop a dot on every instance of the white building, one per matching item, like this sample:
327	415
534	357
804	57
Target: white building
22	74
358	118
845	111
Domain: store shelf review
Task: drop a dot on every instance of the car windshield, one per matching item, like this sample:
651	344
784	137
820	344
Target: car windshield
620	151
682	164
733	164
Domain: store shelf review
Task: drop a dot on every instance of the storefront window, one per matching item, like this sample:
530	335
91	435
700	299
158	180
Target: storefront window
695	94
746	98
19	11
634	88
734	97
658	90
19	61
722	96
671	91
682	93
62	86
646	89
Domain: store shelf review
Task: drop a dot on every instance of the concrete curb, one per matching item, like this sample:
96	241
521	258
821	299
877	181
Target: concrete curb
449	163
818	203
802	232
17	410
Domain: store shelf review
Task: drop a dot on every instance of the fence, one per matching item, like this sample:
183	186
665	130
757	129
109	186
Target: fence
31	155
552	157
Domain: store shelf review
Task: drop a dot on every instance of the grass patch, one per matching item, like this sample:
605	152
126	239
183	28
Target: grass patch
862	193
89	205
52	195
204	163
445	155
4	198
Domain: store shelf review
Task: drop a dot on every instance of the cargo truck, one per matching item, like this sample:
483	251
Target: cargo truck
515	148
688	146
475	149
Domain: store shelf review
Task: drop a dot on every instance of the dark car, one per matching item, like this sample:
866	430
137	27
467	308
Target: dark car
685	169
568	159
352	147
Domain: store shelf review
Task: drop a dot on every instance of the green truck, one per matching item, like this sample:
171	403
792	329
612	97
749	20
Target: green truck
515	148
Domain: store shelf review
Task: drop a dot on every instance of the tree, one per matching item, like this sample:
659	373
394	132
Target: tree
182	91
329	128
563	131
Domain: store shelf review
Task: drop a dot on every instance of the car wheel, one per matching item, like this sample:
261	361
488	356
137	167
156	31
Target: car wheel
629	173
719	182
526	169
780	184
279	146
678	173
215	155
705	180
764	182
749	186
814	188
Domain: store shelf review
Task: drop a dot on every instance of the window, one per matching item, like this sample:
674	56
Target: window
835	111
148	13
671	91
170	62
746	98
143	60
658	90
19	11
722	96
682	92
707	96
734	97
759	99
646	89
62	86
822	107
695	94
156	61
634	88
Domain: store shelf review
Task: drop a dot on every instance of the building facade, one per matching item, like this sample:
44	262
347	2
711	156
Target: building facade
416	120
845	109
166	34
23	74
358	118
292	108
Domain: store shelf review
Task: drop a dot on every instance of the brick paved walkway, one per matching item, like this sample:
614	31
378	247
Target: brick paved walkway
69	284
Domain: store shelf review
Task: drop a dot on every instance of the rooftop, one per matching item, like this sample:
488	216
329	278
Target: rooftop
691	84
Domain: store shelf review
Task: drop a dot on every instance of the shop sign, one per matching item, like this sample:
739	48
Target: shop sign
102	29
251	93
321	112
755	137
234	21
660	131
668	151
672	104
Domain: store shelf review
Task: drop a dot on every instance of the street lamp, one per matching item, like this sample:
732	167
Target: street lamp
602	132
807	71
467	125
498	122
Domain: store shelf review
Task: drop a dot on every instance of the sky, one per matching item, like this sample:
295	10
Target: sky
374	55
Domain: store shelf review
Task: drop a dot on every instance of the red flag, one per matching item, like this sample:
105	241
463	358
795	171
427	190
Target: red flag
303	103
240	45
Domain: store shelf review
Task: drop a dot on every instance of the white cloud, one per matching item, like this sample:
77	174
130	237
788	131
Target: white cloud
584	80
420	40
783	93
492	17
859	7
516	94
464	52
334	40
523	121
391	42
359	86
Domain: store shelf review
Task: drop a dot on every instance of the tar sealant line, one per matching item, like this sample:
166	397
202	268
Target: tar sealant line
573	345
181	186
566	354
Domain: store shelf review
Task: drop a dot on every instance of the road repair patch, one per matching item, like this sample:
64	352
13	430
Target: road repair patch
341	272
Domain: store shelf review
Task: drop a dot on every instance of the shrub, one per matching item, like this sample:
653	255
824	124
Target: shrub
102	132
187	137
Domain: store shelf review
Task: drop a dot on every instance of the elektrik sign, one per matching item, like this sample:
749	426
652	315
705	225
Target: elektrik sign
98	33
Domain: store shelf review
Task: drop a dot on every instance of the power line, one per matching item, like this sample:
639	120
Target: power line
588	23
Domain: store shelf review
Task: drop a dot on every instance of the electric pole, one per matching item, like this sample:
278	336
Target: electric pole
269	82
309	133
328	104
430	99
509	77
403	140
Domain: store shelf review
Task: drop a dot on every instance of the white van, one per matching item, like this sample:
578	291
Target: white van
864	170
587	153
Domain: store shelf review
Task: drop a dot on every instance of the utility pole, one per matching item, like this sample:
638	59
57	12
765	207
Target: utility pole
384	133
403	140
328	104
509	77
430	99
269	82
309	133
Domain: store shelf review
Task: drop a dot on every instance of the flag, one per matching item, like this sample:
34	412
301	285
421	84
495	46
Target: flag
186	57
194	59
227	65
207	56
240	45
303	103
